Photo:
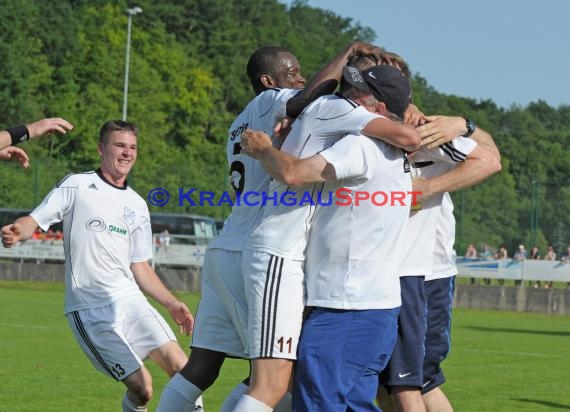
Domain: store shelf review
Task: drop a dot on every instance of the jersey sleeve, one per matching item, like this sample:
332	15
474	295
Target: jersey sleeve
455	151
141	247
56	204
339	117
347	156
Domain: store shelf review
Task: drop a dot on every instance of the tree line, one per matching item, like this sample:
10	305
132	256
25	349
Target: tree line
187	82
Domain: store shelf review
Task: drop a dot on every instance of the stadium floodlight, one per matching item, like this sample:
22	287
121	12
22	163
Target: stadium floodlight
131	12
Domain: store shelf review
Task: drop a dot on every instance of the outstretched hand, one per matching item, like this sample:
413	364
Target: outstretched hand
47	126
15	153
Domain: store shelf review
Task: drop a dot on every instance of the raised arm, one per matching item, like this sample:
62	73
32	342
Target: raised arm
22	229
395	133
150	283
21	133
327	79
282	166
479	165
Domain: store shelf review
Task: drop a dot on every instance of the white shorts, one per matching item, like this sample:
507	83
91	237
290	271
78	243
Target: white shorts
275	298
221	319
118	337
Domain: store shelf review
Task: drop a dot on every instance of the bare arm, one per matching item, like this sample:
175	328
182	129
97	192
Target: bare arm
22	229
479	165
38	129
327	79
395	133
149	282
282	166
5	139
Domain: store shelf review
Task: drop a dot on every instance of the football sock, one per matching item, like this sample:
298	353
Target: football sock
233	398
128	406
249	404
179	395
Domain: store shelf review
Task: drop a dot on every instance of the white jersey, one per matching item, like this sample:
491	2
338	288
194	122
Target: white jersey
443	254
418	255
354	251
105	229
246	173
283	229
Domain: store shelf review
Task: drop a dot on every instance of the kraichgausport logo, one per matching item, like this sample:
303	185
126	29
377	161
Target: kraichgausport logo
340	197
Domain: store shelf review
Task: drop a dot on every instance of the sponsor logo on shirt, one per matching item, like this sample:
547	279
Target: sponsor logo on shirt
96	224
118	230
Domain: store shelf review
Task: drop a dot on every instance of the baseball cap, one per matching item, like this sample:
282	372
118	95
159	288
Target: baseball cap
386	83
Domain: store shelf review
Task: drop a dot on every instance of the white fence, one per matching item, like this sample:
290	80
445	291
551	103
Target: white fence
189	251
543	270
180	251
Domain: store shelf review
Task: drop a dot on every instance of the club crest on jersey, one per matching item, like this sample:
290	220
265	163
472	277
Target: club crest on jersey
129	215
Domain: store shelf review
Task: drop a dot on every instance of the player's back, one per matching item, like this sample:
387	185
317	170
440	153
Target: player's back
246	174
286	219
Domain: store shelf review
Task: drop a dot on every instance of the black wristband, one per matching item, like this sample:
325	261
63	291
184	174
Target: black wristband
18	134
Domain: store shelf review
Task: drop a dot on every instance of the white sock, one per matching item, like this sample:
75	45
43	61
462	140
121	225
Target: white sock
233	398
179	395
248	404
285	404
128	406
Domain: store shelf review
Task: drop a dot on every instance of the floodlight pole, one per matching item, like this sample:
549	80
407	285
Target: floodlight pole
131	12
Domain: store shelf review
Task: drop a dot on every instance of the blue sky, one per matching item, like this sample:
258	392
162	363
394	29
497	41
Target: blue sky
509	51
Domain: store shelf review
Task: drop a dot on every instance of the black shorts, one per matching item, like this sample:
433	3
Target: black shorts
439	297
406	364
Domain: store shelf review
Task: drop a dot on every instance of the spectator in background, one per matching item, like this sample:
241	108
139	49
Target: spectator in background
500	255
535	255
550	255
164	240
519	256
471	253
486	254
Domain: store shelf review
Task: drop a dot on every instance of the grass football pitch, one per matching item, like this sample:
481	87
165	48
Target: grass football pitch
500	361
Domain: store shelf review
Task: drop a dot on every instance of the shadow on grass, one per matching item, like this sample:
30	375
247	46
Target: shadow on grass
513	330
548	404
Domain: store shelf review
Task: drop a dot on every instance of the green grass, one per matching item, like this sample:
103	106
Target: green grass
500	361
43	368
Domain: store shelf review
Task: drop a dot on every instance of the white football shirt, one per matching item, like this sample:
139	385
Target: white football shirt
418	254
443	254
354	251
283	229
105	229
246	173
